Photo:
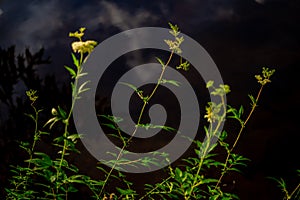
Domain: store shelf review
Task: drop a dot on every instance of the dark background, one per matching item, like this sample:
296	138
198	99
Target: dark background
242	36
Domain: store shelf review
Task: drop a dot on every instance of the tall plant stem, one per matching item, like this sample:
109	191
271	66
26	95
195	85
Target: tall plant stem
35	138
212	133
239	135
66	121
36	118
138	122
294	191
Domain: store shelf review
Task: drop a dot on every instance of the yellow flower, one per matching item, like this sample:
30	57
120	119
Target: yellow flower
77	34
209	114
32	95
84	47
54	112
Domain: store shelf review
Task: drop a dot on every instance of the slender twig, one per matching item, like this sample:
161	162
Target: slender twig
138	123
35	132
239	135
66	121
294	191
151	191
211	134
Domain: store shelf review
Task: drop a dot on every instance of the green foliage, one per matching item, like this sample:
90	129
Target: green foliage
47	177
52	177
295	192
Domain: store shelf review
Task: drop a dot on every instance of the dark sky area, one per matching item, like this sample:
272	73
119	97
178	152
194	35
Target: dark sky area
242	36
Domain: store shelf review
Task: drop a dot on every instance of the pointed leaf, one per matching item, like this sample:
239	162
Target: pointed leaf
71	71
82	89
75	61
160	61
129	85
62	113
172	82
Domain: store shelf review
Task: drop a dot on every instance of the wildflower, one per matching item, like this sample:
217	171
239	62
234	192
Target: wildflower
265	78
213	112
209	114
54	112
174	45
32	95
184	65
77	34
84	47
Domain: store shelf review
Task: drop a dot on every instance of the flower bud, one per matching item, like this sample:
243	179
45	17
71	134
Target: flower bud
54	111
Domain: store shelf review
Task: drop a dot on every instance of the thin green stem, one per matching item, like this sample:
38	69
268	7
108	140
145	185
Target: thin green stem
33	144
239	135
222	117
161	75
212	133
151	191
139	119
138	123
198	170
66	121
35	132
294	191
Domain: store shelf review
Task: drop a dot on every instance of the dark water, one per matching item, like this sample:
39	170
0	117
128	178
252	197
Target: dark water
240	36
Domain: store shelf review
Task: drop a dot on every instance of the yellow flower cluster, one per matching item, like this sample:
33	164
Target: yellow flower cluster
209	114
266	74
174	45
77	34
32	95
84	47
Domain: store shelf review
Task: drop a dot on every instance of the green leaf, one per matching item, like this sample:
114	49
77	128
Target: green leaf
126	191
72	188
209	84
185	66
81	89
241	111
160	61
178	172
102	169
138	92
30	116
209	180
43	160
234	169
75	61
148	126
253	100
81	75
71	71
129	85
59	139
52	121
43	133
172	82
62	113
112	126
73	168
112	118
168	128
73	137
53	178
